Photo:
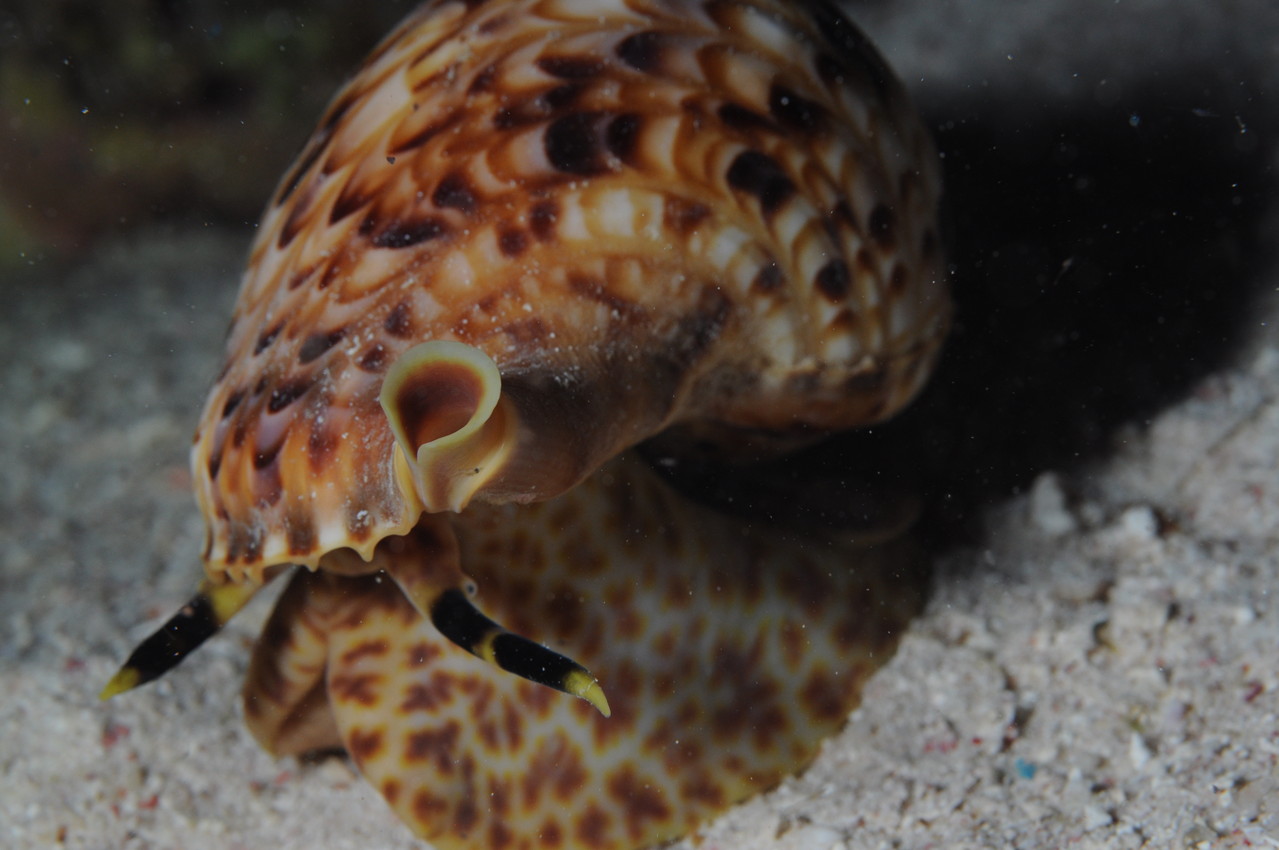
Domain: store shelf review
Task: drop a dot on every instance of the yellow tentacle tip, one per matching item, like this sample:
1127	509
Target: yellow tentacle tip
579	683
126	679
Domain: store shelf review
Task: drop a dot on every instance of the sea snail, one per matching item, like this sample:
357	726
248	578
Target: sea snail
526	237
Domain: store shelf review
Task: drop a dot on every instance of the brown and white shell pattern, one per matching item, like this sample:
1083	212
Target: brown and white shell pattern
715	215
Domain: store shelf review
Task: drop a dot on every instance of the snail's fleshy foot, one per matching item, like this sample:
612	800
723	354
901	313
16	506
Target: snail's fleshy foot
203	616
461	622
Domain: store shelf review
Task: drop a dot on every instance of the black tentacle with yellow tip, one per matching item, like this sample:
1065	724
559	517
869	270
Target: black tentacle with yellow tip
204	615
459	621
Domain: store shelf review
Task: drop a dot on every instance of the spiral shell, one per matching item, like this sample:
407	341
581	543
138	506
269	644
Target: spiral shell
526	237
646	215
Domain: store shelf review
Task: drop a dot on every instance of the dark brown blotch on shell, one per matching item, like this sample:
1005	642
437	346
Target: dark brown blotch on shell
268	337
483	81
321	446
622	136
405	234
768	279
760	175
834	281
738	117
289	391
494	23
264	456
331	271
454	191
864	262
429	82
842	213
572	67
425	134
796	112
316	344
643	50
845	322
399	322
299	528
573	145
898	280
372	359
232	402
215	461
243	543
267	485
542	219
512	242
560	97
300	277
883	226
348	203
682	215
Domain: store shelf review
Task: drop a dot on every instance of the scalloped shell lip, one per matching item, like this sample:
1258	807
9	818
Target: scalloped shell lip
272	549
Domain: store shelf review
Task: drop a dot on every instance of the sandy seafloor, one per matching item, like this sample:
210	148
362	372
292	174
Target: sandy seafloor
1098	664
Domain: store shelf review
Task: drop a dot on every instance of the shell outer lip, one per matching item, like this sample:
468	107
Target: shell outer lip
447	469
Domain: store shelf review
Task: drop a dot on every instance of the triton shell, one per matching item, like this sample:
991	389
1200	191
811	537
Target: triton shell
646	214
527	237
